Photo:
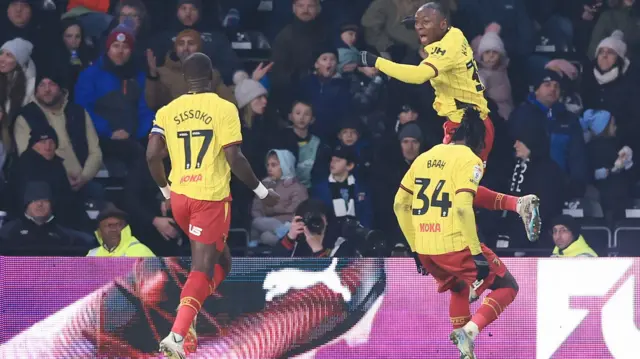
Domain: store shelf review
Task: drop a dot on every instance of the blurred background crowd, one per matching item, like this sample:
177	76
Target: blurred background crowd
80	81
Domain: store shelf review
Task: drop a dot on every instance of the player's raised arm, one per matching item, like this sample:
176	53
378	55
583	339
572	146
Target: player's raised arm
431	24
402	207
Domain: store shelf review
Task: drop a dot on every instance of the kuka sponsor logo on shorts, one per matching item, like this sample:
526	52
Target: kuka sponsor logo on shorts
190	179
429	227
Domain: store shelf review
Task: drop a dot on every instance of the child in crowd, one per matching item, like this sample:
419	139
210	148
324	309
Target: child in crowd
610	161
343	194
327	92
268	222
349	136
348	54
492	63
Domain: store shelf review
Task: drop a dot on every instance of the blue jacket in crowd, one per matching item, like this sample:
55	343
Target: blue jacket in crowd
114	103
330	99
568	148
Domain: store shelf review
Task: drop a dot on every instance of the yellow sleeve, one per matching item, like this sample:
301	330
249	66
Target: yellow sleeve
402	207
467	220
158	123
229	129
407	73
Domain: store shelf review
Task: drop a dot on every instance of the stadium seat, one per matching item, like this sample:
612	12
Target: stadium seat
597	234
626	238
583	208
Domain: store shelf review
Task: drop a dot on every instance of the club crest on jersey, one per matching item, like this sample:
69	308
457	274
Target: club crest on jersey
477	174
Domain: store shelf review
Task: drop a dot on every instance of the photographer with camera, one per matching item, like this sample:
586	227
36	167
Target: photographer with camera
315	234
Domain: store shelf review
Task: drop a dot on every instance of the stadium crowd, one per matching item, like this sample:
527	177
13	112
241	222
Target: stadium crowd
80	81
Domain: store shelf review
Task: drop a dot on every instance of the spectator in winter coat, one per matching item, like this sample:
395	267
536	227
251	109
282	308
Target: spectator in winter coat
493	62
568	240
535	172
18	81
295	49
78	144
610	84
75	54
27	21
214	42
345	196
268	224
610	162
134	15
167	83
328	93
389	173
115	238
36	231
567	148
40	163
623	16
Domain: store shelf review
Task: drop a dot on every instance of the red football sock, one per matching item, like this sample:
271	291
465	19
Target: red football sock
459	312
488	199
219	274
492	306
193	294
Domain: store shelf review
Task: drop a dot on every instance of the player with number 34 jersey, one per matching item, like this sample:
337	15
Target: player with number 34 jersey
448	64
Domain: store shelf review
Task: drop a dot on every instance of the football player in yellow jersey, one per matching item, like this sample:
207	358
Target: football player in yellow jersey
201	133
453	73
434	207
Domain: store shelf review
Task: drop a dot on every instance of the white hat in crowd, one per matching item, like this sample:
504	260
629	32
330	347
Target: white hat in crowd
247	89
614	42
20	49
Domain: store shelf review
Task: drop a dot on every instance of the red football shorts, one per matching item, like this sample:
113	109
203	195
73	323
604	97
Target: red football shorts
449	268
490	132
206	222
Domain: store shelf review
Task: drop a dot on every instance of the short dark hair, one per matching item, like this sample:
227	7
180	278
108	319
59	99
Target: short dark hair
439	7
311	205
197	66
302	102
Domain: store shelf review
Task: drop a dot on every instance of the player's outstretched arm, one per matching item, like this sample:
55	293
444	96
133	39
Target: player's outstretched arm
156	153
467	220
402	209
241	168
407	73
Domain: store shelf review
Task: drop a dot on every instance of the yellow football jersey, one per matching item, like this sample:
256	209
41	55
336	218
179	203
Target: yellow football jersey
457	83
197	128
435	177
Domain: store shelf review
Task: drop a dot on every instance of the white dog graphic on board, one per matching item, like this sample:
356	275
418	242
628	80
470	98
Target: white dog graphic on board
281	281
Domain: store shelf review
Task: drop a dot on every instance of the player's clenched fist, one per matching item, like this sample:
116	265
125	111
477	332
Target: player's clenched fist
482	266
419	267
271	199
367	59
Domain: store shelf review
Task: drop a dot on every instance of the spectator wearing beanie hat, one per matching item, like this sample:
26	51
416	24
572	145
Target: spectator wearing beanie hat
535	172
40	163
166	83
623	17
493	62
78	142
327	92
568	239
610	162
17	73
543	110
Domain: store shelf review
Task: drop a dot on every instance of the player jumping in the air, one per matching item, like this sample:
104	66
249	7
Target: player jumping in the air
201	133
453	73
434	207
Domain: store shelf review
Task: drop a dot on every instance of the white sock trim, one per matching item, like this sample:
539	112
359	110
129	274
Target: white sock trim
471	329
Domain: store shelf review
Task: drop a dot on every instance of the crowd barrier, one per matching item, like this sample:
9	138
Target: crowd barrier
316	308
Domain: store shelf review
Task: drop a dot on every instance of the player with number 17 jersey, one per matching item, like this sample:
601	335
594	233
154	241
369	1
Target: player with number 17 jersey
196	128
